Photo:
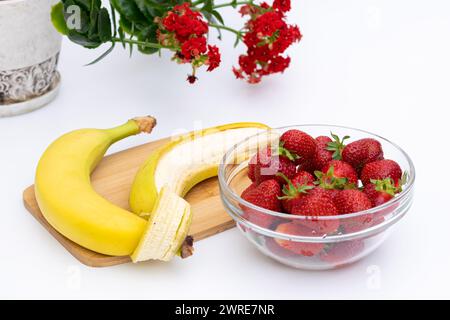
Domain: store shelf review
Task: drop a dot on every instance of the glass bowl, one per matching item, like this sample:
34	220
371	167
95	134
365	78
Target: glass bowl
305	242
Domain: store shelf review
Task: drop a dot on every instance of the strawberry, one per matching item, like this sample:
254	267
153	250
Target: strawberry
303	178
381	191
276	165
361	152
322	155
264	195
337	174
296	188
340	253
261	157
381	169
276	249
352	201
307	249
299	143
328	150
317	203
305	165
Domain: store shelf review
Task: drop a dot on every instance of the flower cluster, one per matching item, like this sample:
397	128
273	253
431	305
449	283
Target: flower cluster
184	30
267	37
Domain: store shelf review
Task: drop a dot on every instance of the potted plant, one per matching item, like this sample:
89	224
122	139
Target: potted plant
28	56
182	27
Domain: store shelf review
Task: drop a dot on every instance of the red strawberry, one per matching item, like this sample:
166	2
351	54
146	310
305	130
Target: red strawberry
322	155
276	249
299	143
261	157
303	178
341	252
352	201
308	249
381	169
264	195
276	165
337	174
332	192
328	150
361	152
305	165
318	203
296	188
381	191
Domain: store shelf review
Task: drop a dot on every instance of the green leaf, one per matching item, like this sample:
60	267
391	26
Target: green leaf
217	15
57	17
129	10
122	36
104	25
103	55
148	35
209	6
93	27
83	40
85	4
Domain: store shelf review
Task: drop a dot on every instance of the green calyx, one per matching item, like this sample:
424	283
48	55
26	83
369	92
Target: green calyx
337	146
388	185
290	190
282	151
330	182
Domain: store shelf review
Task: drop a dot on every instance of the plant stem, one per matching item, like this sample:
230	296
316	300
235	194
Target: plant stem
219	26
237	3
141	43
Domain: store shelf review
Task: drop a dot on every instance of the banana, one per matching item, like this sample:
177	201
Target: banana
167	228
70	204
167	175
184	162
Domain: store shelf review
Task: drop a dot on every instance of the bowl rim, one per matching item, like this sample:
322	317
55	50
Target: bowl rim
226	188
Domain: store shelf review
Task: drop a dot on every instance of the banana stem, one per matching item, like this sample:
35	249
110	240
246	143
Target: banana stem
145	124
132	127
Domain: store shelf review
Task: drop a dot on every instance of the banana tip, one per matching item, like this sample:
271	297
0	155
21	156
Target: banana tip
187	248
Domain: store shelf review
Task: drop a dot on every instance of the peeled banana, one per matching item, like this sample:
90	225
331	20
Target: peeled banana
185	161
158	228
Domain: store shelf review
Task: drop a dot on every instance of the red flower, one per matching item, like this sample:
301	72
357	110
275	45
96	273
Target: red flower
213	58
282	5
247	64
267	38
268	23
184	22
278	64
238	73
193	48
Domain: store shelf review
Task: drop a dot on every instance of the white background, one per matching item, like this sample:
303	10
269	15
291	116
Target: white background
382	66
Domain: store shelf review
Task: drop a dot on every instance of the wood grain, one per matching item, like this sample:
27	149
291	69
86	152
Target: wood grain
113	178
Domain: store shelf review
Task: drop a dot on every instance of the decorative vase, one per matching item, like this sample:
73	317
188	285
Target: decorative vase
29	50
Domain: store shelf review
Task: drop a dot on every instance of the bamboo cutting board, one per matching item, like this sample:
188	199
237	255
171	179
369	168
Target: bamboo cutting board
113	178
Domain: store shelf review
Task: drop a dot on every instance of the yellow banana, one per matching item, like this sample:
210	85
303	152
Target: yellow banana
70	204
185	161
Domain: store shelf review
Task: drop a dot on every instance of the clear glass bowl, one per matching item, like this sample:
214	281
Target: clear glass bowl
354	235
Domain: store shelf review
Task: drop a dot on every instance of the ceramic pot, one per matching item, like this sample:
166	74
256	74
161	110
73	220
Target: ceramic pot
29	53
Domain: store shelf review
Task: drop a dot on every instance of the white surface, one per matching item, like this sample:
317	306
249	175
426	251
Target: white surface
378	65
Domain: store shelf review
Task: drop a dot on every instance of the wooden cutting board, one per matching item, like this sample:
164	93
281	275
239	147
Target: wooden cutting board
113	178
